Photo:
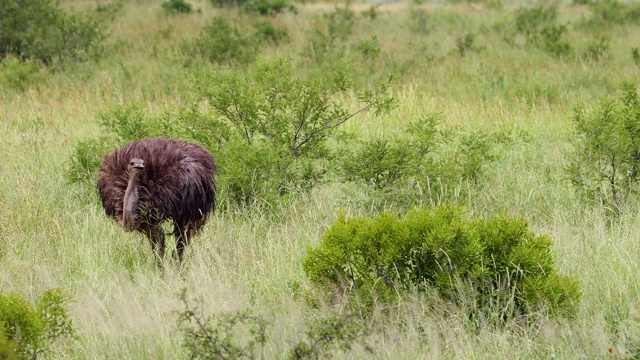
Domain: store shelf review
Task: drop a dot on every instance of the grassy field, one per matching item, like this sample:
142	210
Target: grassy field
55	235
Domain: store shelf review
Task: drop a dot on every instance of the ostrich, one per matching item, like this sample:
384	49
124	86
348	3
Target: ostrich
152	180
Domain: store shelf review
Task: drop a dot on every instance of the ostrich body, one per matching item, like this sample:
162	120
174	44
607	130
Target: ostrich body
152	180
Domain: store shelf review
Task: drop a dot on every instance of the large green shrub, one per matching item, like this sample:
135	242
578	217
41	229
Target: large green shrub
270	128
498	263
605	165
39	29
31	328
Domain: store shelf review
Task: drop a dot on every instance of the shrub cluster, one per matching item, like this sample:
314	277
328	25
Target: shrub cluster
40	30
539	26
498	263
605	165
424	164
240	335
26	329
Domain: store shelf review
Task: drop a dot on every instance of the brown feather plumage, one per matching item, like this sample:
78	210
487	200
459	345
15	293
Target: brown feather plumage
177	184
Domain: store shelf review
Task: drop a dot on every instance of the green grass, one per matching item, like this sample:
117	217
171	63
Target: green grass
53	234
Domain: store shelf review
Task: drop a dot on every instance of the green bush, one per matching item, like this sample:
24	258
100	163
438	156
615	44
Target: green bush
424	164
635	55
505	268
17	74
270	128
339	330
240	335
218	337
176	6
31	328
268	32
606	12
538	25
605	165
38	29
120	125
8	348
263	7
224	43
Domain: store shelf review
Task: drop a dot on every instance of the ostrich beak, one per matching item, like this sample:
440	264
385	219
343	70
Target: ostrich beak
136	165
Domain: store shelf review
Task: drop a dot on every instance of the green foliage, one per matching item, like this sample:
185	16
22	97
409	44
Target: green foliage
371	12
38	29
598	49
263	7
122	124
8	348
635	55
607	12
420	21
176	6
370	49
506	269
466	44
217	337
539	27
325	44
268	7
17	74
224	43
605	166
271	127
240	335
423	164
268	32
30	329
340	331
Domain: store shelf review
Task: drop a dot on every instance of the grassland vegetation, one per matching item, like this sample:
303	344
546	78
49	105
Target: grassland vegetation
521	114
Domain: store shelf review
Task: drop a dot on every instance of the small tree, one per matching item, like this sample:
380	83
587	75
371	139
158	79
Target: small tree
605	165
269	127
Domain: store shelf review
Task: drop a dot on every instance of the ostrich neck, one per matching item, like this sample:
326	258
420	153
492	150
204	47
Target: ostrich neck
130	199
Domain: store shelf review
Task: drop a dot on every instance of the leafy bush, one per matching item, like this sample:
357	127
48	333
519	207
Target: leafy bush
217	337
31	328
240	335
466	44
224	43
424	163
122	124
598	49
538	25
339	330
8	348
263	7
176	6
635	55
19	75
613	12
270	127
505	268
268	7
38	29
269	32
605	166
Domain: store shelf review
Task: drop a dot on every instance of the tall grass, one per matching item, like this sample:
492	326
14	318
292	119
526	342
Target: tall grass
53	234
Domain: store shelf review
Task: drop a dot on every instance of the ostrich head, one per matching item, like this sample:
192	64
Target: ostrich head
135	168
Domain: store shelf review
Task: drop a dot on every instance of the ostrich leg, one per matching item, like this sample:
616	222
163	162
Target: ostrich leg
156	237
183	238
